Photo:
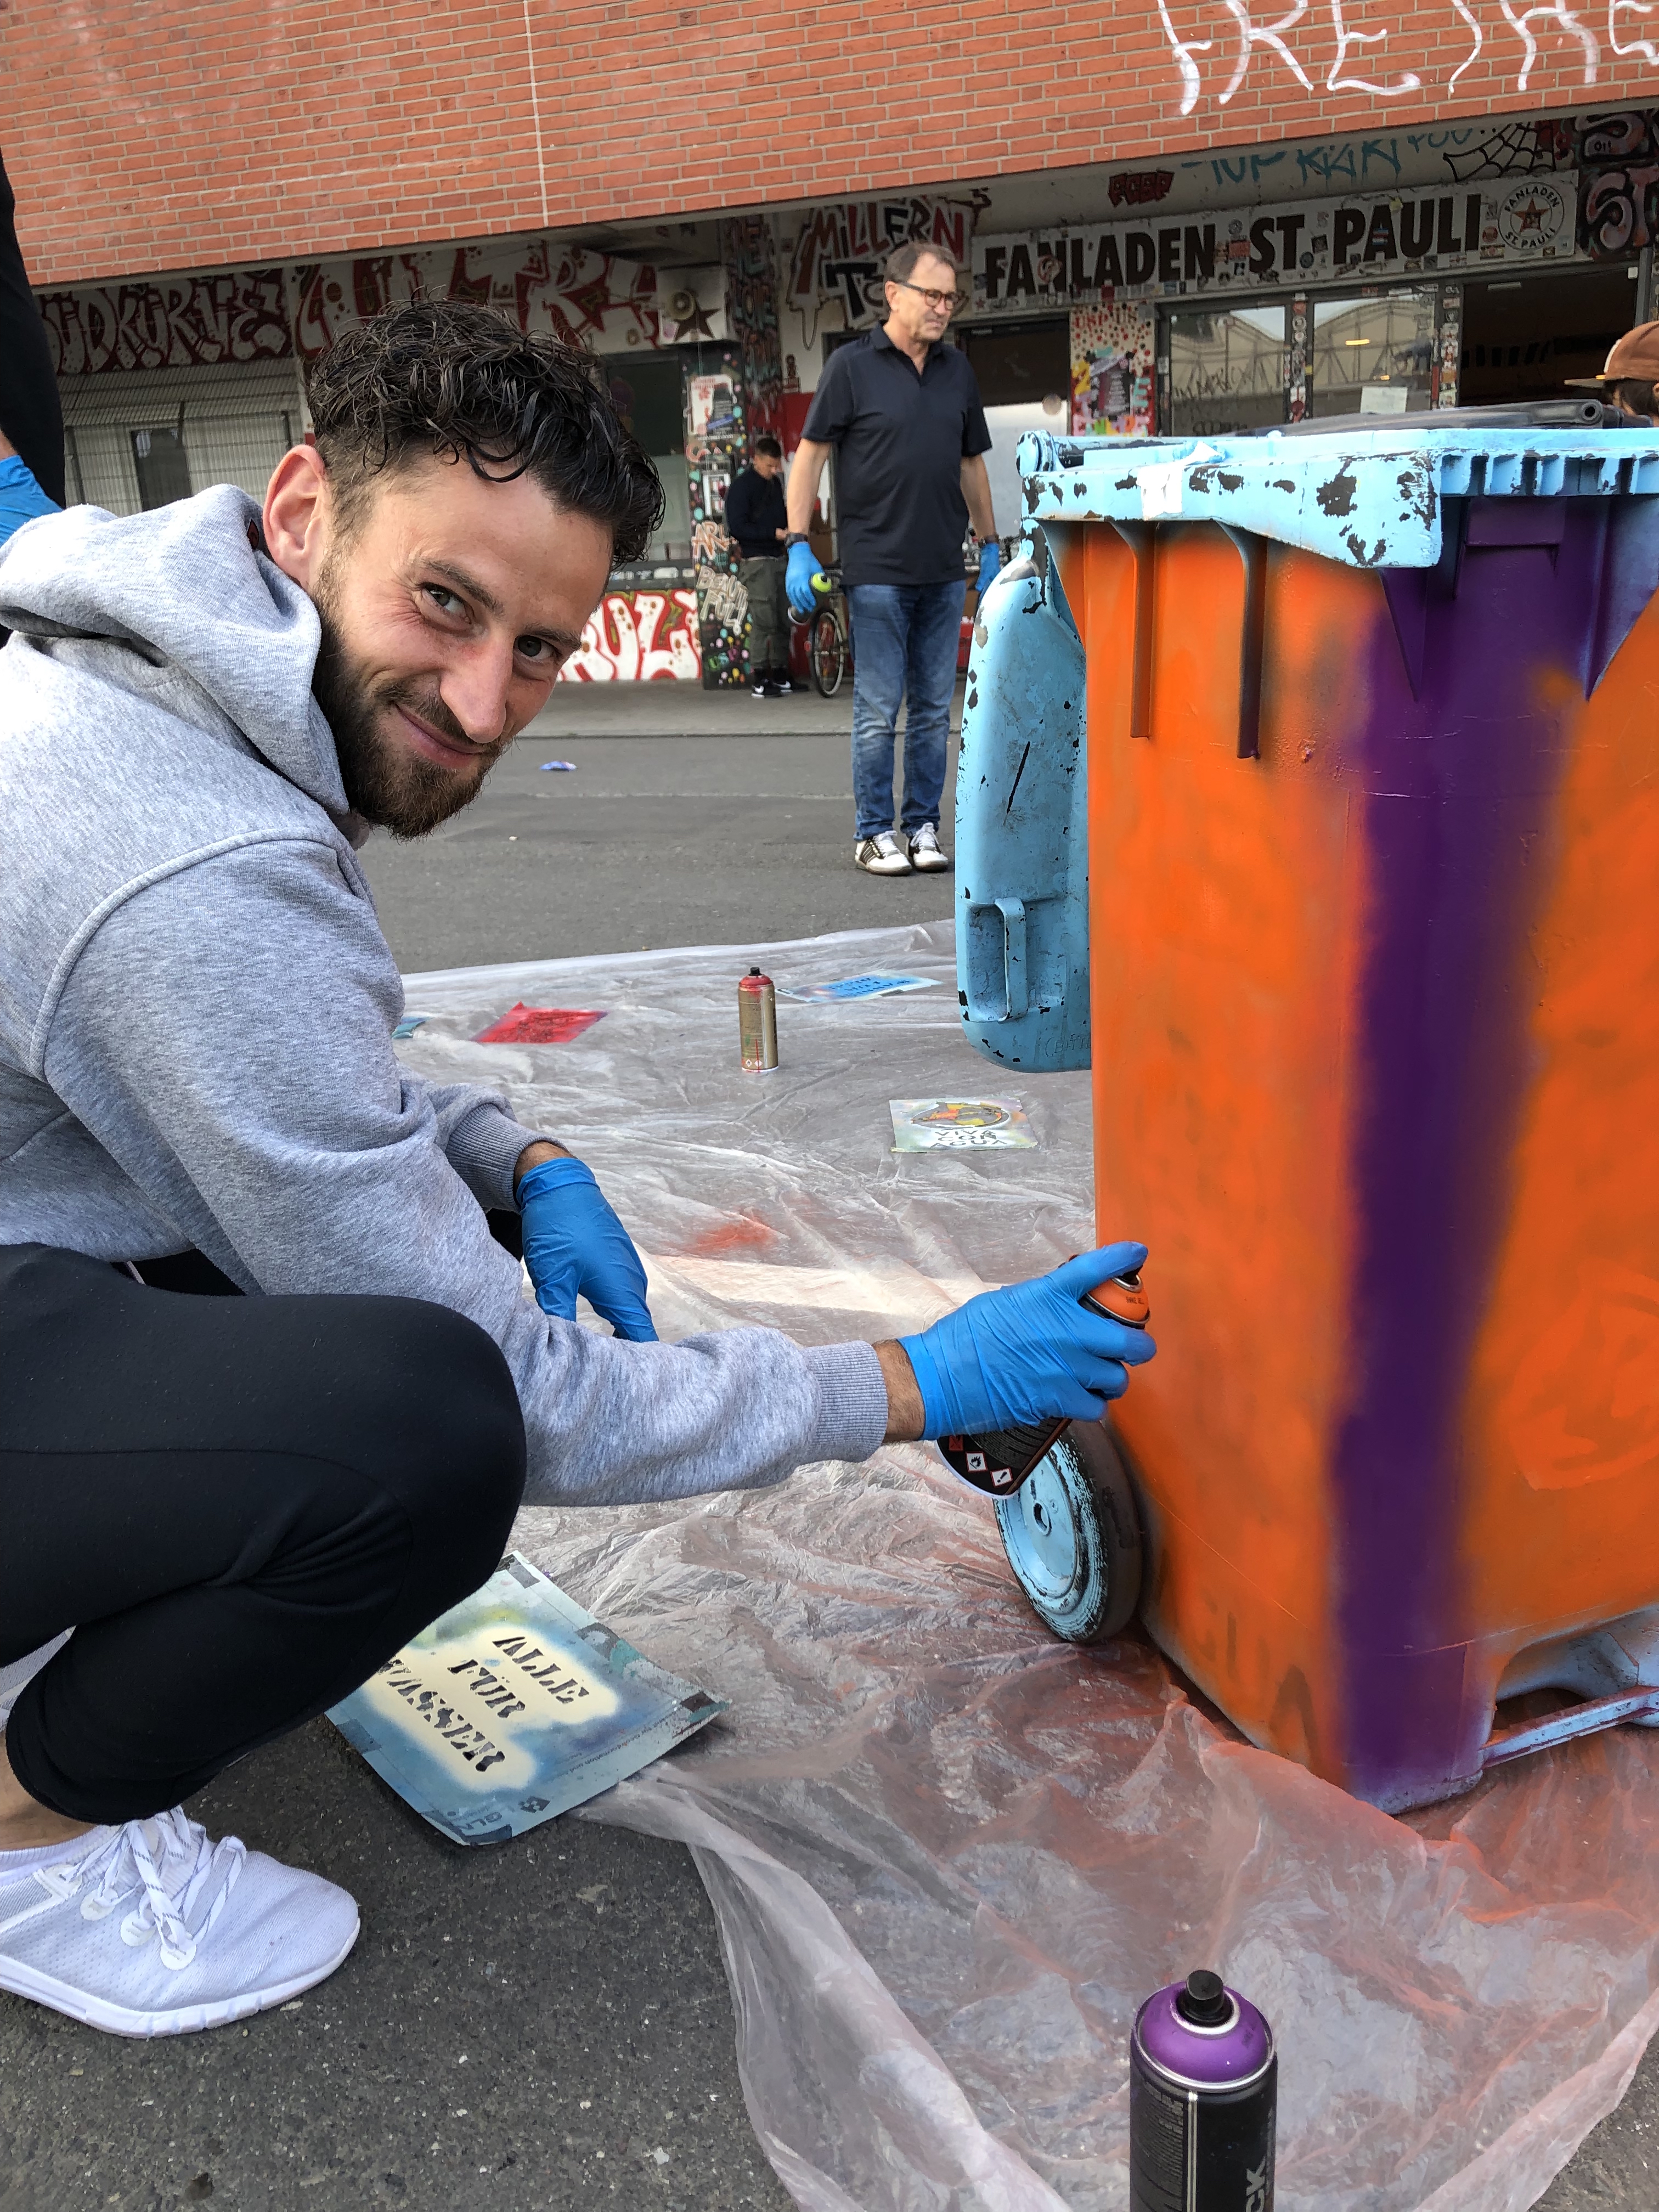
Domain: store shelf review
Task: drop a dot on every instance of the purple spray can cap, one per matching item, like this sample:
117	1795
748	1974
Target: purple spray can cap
1203	2035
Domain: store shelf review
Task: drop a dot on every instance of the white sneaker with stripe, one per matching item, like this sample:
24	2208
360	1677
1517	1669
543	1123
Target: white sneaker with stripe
883	854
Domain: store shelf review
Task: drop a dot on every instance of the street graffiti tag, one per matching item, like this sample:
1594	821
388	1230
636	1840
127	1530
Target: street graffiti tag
638	637
838	254
1323	48
1619	187
175	322
752	315
579	295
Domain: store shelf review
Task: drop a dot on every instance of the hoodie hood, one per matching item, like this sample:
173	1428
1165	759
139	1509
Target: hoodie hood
188	588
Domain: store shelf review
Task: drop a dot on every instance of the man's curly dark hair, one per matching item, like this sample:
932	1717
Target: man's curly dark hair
450	377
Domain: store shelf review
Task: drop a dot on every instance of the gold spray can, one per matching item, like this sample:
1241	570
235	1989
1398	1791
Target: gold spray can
758	1023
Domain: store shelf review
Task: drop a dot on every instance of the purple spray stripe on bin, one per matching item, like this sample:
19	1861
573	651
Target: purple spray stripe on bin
1460	782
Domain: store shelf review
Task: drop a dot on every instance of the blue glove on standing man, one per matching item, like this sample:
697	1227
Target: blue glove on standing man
990	560
574	1245
802	567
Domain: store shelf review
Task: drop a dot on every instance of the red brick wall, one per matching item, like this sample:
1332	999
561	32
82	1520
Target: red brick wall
147	135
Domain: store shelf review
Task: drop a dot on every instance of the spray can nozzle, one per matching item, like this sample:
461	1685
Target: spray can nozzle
1205	2003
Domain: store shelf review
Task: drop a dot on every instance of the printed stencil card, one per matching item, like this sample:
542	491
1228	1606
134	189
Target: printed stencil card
961	1125
514	1707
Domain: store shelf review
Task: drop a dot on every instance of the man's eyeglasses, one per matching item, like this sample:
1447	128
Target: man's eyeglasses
948	301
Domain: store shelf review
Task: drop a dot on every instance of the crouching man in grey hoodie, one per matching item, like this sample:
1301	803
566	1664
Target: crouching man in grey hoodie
270	1394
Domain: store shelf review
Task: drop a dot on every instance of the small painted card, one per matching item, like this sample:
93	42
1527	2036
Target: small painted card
859	986
514	1707
523	1024
961	1125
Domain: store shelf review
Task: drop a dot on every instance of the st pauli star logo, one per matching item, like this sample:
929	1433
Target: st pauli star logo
1533	219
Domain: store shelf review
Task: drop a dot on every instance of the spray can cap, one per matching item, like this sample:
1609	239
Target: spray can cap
1204	2002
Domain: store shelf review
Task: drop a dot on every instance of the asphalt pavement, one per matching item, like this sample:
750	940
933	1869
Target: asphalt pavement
736	824
545	2026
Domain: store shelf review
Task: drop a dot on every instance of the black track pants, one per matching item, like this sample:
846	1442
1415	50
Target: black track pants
241	1505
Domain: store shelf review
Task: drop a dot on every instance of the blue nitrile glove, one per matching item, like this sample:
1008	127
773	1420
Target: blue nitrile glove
990	560
21	498
573	1243
1028	1354
798	579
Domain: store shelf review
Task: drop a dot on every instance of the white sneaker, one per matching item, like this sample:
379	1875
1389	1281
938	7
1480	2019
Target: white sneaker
925	853
882	855
152	1931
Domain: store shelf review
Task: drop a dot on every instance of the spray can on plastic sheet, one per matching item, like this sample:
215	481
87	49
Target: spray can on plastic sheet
758	1023
1203	2097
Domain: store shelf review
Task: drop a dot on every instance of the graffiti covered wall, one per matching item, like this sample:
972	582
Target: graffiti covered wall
1619	185
837	255
177	322
638	637
716	446
584	297
751	316
1112	357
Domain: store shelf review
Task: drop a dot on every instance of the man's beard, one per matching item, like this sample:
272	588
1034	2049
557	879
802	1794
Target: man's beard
387	783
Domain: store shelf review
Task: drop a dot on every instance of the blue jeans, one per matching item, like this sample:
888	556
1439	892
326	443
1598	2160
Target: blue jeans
904	647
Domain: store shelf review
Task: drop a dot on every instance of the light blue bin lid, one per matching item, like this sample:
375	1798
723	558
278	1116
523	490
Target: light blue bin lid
1370	499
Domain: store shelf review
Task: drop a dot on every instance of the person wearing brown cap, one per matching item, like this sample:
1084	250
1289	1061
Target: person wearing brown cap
1627	382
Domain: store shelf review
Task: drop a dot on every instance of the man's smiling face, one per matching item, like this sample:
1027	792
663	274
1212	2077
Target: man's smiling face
448	604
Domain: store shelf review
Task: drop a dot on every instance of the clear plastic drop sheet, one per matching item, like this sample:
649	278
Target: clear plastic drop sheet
948	1856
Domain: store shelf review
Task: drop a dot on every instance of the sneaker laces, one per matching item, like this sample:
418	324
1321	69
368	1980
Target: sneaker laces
164	1862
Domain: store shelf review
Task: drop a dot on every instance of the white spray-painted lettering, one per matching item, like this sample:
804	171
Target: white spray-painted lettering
1410	82
1271	35
1645	47
1554	14
1192	83
1269	41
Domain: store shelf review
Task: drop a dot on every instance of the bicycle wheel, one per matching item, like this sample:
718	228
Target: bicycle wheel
1072	1537
826	653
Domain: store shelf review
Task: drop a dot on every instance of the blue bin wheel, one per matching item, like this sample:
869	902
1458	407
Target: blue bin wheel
1072	1537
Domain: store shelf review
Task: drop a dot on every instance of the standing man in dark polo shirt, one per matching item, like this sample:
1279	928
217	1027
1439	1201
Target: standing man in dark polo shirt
902	411
755	518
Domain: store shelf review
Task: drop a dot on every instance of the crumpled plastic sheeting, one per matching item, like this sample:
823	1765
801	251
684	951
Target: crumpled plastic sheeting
948	1856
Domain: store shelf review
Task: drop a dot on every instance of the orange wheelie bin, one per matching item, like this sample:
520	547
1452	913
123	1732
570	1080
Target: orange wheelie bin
1309	792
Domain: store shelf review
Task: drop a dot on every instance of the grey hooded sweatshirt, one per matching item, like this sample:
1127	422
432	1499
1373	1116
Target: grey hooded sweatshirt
197	1005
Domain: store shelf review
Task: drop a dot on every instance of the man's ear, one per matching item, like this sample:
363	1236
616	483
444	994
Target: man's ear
297	515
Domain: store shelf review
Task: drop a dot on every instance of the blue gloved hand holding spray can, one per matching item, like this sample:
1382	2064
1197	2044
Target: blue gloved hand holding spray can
804	584
1002	1376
